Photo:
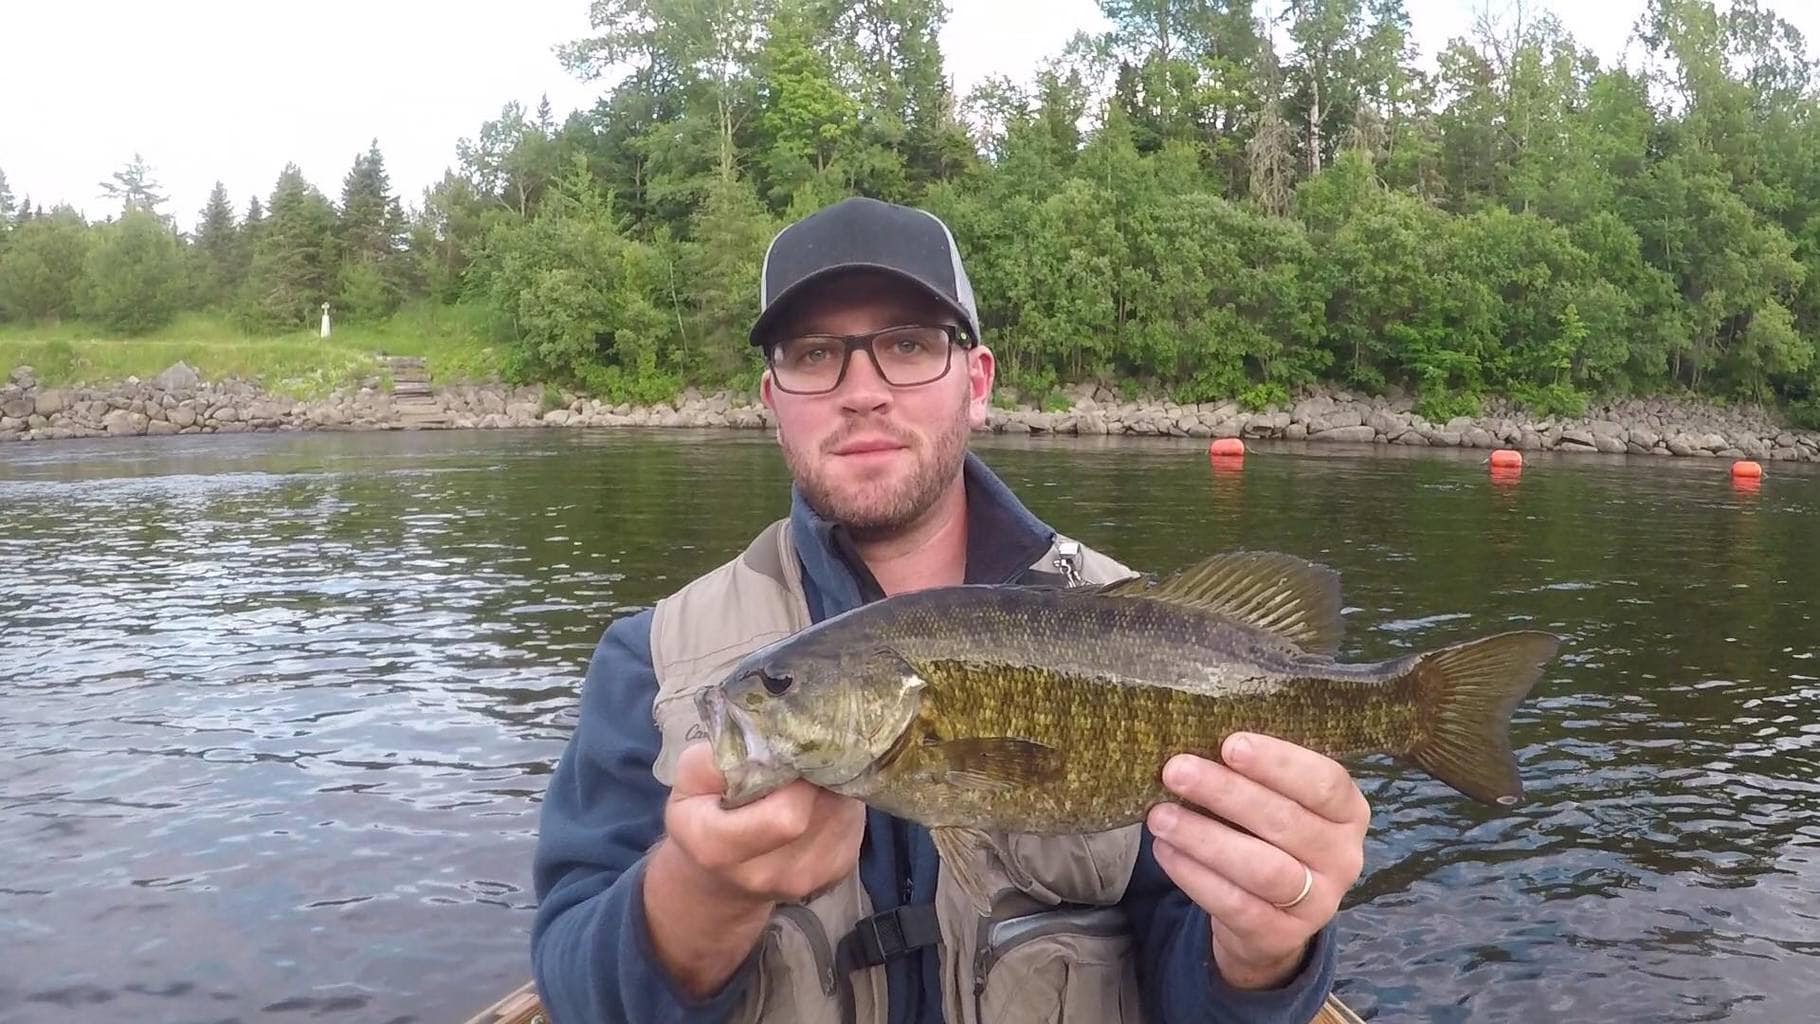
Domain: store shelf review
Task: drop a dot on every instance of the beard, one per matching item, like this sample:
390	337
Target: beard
882	506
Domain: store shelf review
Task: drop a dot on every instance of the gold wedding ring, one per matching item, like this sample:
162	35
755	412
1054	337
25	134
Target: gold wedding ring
1307	884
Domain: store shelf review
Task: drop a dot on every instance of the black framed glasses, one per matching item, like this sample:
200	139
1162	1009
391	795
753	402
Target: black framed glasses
906	356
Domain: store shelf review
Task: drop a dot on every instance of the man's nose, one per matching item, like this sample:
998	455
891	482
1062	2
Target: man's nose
863	390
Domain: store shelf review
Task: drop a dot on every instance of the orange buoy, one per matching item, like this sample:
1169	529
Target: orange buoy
1745	469
1507	458
1226	448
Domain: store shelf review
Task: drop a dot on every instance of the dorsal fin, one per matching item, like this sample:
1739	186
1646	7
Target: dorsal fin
1278	593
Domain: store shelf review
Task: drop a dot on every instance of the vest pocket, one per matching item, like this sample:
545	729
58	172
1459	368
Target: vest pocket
798	979
1067	964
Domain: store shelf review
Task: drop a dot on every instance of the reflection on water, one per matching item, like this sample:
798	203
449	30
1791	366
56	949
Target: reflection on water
275	711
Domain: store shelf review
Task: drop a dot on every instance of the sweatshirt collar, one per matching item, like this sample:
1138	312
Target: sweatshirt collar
1003	539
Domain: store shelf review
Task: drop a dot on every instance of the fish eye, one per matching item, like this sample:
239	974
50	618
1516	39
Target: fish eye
776	686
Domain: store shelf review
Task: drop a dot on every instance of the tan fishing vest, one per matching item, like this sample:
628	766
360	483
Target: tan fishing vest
1057	947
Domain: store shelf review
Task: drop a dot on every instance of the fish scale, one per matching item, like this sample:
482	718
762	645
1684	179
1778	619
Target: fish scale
1115	737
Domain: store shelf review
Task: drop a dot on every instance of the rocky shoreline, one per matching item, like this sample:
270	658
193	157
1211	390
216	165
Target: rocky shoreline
179	402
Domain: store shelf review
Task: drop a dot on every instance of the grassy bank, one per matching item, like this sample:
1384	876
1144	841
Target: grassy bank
455	344
300	364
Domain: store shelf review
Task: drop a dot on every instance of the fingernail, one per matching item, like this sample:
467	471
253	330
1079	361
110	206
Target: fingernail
1178	773
1238	748
1163	820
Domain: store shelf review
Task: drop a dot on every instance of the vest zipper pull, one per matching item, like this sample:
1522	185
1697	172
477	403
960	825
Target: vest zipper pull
1068	560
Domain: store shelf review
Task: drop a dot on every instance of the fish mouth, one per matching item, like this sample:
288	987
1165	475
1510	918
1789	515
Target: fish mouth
745	759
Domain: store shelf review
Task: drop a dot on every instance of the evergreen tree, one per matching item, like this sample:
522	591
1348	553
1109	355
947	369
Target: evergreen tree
730	235
216	249
246	239
134	187
293	266
370	231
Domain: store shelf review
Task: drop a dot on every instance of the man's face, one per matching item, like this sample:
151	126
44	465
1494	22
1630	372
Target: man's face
869	455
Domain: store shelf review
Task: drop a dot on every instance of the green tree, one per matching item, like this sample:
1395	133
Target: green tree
706	51
887	54
446	233
216	251
721	266
578	299
1189	73
41	276
293	269
510	162
133	278
1327	36
370	236
808	121
251	227
134	187
1227	297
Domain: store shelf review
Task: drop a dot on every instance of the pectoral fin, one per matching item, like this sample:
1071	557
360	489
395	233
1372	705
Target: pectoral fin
962	850
998	762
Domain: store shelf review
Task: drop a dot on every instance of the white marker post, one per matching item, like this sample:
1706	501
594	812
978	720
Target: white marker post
325	319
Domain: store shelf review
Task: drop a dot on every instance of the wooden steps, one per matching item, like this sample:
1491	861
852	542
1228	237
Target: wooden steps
522	1007
413	403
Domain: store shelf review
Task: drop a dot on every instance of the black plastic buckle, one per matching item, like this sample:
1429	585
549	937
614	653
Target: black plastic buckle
893	933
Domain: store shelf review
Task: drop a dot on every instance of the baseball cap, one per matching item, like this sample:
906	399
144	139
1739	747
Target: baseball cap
862	233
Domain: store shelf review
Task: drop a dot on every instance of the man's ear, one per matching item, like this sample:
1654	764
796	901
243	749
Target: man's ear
769	397
982	367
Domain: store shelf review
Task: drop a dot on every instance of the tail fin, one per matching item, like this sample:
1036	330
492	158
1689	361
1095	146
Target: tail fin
1468	692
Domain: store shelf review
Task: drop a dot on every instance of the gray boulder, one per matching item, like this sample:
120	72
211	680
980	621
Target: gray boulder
179	376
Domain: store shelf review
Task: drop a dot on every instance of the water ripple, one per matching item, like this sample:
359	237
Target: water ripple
278	709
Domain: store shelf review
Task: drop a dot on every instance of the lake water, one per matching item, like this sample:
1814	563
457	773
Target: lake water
276	710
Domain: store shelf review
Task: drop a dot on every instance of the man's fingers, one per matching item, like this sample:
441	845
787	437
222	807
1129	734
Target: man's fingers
1316	782
1232	797
1225	901
837	828
696	774
1247	861
716	836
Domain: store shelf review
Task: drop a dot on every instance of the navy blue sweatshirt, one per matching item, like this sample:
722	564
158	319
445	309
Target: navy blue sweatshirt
590	951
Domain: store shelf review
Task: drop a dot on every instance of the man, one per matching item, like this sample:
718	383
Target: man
657	905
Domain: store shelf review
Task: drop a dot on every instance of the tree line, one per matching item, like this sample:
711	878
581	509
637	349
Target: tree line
270	267
1198	199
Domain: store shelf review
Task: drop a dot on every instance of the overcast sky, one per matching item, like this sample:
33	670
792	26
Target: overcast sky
231	90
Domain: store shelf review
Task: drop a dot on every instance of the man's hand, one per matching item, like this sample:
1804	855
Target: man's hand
782	848
1268	893
710	885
